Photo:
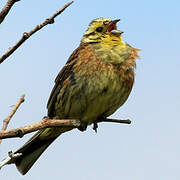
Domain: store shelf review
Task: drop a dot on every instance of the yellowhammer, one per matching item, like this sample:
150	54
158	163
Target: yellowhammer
96	80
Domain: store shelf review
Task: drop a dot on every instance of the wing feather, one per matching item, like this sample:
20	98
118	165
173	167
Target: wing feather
65	72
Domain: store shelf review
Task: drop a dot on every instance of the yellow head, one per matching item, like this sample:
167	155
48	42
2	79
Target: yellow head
101	29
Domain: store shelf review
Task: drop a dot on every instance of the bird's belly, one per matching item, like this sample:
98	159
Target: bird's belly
106	103
98	99
92	97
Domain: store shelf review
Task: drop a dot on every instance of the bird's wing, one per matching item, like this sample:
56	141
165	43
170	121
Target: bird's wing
65	72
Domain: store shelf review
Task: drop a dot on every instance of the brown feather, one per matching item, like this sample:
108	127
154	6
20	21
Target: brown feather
65	72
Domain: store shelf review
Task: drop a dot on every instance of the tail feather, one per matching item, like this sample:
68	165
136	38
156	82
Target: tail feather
31	151
36	145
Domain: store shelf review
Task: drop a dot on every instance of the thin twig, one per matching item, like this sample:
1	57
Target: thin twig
7	120
126	121
6	9
26	35
47	122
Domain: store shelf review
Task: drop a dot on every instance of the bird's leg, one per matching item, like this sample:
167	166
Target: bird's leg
95	124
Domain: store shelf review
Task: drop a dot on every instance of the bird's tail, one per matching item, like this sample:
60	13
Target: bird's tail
33	148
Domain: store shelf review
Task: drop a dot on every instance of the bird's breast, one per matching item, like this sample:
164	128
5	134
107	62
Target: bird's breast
104	87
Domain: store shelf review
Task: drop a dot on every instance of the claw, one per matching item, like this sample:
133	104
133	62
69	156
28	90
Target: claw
95	126
83	126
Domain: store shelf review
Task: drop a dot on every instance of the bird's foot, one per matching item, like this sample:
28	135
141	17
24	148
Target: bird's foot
95	124
45	117
83	126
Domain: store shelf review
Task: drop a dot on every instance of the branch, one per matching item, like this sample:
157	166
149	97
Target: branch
6	9
26	35
127	121
46	123
7	120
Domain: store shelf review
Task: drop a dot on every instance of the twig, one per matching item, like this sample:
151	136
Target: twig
45	123
7	120
127	121
6	9
26	35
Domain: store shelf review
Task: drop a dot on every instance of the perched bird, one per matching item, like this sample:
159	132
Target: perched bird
96	80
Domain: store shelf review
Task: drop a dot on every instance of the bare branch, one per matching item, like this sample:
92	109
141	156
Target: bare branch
45	123
7	120
26	35
127	121
6	9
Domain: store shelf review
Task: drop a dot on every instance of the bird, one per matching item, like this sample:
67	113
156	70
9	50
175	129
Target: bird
95	81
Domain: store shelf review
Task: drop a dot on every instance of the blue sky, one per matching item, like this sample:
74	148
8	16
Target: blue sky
145	150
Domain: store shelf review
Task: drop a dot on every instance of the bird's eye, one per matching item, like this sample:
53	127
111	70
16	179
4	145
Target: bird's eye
99	29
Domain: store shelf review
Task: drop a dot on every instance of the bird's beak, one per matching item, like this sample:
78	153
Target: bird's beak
118	32
115	21
113	28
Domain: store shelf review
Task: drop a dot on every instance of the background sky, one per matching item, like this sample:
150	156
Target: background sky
147	149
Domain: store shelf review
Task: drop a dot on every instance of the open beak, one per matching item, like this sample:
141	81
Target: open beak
113	28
